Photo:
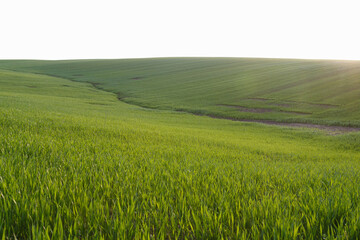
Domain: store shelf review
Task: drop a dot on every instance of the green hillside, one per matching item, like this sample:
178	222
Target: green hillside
317	91
77	163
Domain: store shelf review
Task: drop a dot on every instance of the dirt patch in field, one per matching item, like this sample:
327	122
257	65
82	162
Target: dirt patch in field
136	78
334	130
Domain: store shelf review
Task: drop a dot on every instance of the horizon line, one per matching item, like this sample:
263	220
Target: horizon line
163	57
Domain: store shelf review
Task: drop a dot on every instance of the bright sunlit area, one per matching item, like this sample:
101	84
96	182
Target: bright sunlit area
69	29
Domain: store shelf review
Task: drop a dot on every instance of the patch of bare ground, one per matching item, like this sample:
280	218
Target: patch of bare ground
334	130
136	78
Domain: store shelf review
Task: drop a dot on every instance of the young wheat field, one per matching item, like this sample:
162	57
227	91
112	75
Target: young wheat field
112	149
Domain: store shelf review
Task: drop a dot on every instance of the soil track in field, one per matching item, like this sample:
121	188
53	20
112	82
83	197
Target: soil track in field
334	130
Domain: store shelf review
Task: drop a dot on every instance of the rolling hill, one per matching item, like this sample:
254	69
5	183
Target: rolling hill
284	90
77	163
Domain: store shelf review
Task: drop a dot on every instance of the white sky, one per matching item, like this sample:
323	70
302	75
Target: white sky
65	29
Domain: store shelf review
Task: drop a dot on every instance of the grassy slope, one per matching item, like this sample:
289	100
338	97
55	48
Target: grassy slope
320	91
77	162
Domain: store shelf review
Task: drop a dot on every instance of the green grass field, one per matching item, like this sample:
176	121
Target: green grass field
77	163
311	91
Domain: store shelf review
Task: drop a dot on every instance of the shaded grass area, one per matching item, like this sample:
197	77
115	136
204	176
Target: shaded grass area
73	169
286	90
